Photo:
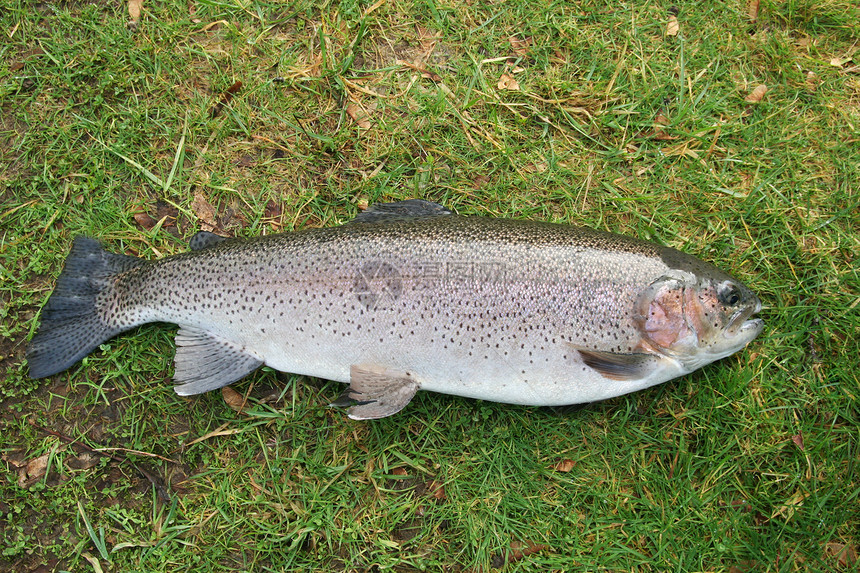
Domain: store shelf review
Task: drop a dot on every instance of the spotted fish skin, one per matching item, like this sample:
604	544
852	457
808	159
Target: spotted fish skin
409	296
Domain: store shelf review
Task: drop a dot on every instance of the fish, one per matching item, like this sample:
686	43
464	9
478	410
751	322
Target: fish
410	296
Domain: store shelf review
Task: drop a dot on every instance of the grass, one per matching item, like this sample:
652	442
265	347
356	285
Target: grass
108	130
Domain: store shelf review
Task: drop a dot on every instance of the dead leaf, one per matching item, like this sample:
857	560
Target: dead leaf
373	7
798	440
94	562
539	167
398	472
507	82
226	97
811	81
204	211
213	26
33	471
145	220
519	550
838	62
672	27
431	75
752	9
435	490
163	209
273	213
246	161
427	36
789	507
846	555
741	504
757	94
657	132
520	47
214	434
233	399
358	115
564	466
425	72
37	466
231	217
83	461
479	181
134	11
14	458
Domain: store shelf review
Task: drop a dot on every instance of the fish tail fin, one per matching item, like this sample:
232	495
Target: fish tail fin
72	322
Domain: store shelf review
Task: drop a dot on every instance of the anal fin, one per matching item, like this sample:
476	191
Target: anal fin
206	362
620	366
376	392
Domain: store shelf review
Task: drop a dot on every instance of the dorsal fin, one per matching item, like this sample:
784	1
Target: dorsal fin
400	211
204	239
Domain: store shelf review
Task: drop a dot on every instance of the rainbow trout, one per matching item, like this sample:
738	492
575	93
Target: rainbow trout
410	296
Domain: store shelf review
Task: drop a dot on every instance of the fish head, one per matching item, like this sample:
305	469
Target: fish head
697	319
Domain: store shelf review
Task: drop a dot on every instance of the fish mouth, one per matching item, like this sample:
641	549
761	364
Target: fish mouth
742	324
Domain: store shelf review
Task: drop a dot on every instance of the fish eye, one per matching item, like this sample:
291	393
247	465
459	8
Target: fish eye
729	294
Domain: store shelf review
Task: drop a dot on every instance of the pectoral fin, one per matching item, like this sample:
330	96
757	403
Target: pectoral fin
376	392
619	366
205	362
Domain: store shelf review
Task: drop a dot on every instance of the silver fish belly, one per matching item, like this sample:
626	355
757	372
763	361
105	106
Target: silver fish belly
409	296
